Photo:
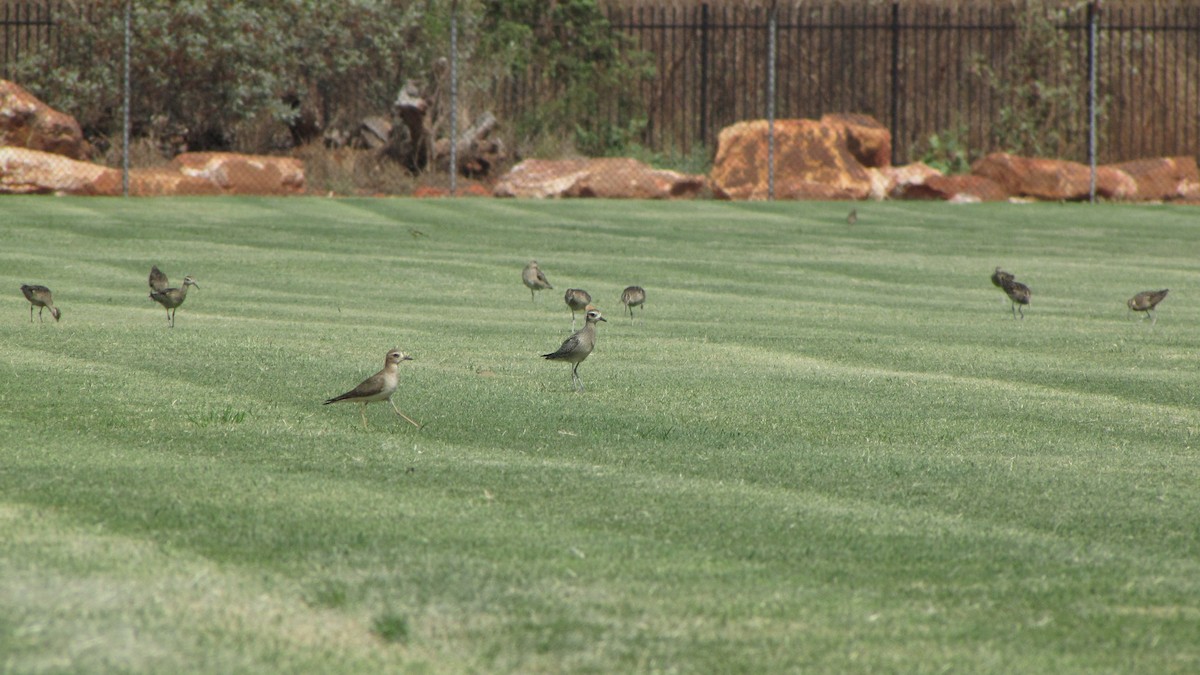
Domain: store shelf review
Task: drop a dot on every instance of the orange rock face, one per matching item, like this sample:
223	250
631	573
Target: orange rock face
812	161
27	122
244	174
619	178
25	171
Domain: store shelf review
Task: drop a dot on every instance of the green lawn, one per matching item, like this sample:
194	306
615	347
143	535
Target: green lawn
819	448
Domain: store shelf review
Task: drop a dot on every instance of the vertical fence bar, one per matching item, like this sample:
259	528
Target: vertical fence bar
894	123
704	28
772	31
1093	12
128	96
453	98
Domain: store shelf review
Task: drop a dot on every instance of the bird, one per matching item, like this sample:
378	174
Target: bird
158	280
1000	277
172	298
1019	293
39	296
578	300
577	347
853	217
633	296
378	387
1145	301
534	279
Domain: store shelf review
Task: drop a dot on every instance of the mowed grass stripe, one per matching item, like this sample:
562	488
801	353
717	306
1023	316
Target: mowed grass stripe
819	447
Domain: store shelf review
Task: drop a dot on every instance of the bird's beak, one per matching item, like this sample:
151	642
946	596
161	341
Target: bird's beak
406	358
604	319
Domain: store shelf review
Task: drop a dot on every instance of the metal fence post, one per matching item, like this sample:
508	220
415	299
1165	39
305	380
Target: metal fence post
894	123
771	32
127	94
1093	14
453	98
704	28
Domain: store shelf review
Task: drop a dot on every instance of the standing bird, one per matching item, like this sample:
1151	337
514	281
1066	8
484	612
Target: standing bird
1000	278
577	347
378	387
158	280
1145	301
578	300
1019	293
853	217
171	298
39	296
534	279
633	296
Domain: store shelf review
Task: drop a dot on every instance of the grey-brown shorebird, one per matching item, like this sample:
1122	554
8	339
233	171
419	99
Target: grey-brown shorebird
1019	293
39	296
534	279
158	280
577	347
852	218
378	387
633	296
1145	302
578	300
172	298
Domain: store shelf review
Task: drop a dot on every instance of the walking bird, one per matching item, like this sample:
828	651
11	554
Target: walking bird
534	279
1019	293
633	296
853	217
378	387
170	298
158	280
578	300
39	296
577	347
1000	277
1145	301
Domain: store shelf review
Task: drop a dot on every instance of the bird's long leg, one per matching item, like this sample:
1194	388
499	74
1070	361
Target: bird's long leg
363	411
1153	317
40	309
410	420
31	312
532	297
575	379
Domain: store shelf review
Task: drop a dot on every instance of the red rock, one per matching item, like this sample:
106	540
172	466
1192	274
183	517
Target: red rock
27	122
901	178
244	174
1162	177
166	181
25	171
958	188
1051	179
615	177
869	141
811	161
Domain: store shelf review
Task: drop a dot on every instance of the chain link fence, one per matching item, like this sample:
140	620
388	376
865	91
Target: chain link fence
822	99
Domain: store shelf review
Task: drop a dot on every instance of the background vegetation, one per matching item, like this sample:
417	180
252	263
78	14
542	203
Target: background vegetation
819	448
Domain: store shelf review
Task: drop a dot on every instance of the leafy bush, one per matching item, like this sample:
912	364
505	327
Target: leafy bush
209	74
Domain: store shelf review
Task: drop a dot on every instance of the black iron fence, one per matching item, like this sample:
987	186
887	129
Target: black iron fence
981	76
950	81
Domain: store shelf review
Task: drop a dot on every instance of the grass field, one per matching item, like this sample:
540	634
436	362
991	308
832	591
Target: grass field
819	448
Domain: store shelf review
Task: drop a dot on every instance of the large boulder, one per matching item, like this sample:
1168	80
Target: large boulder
615	177
25	171
168	181
1161	178
866	138
244	174
1050	179
812	161
27	122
